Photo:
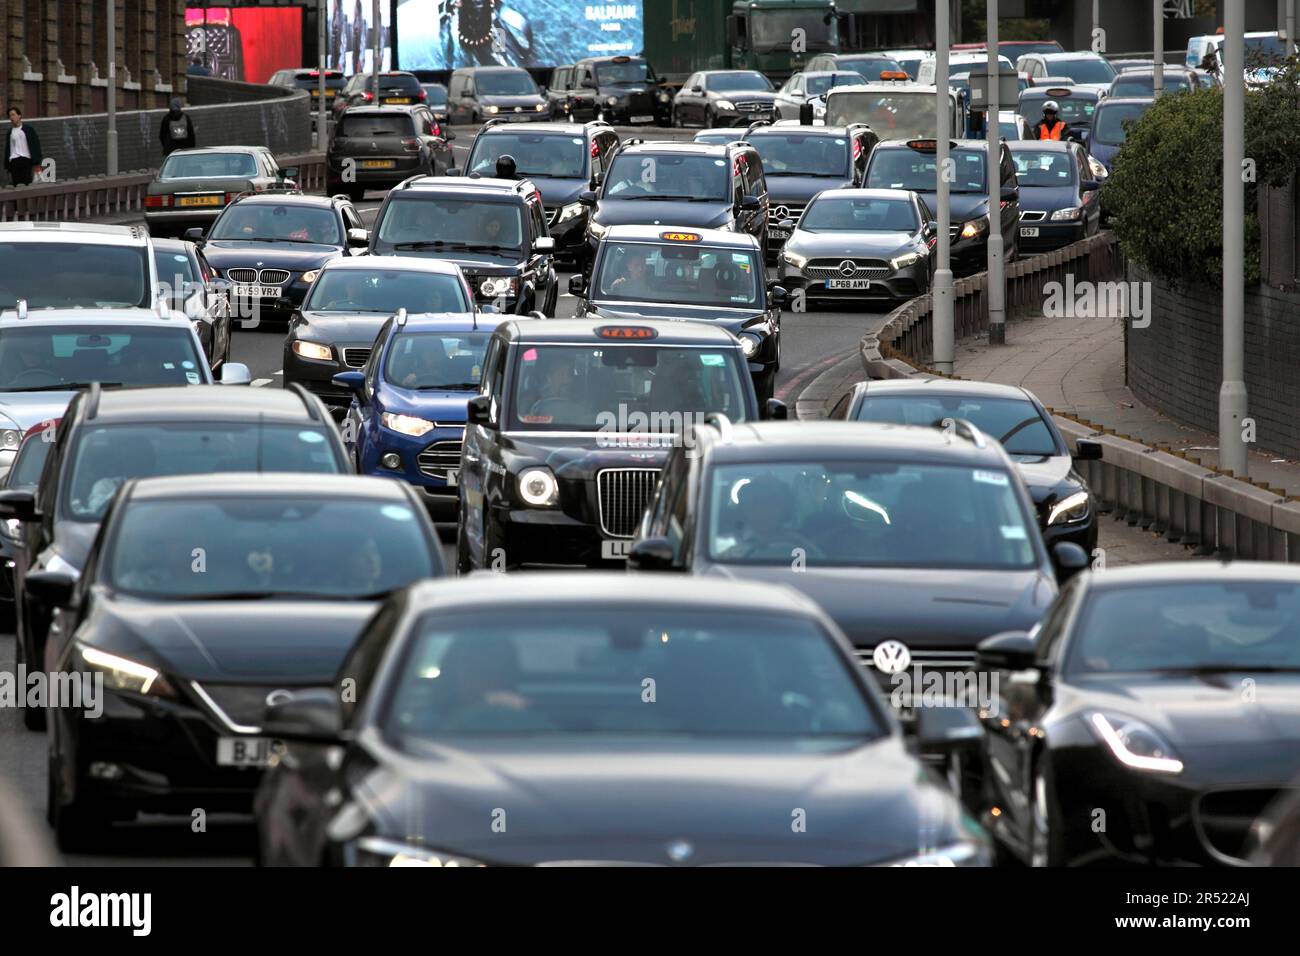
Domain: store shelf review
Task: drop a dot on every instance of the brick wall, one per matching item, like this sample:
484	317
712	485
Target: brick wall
1175	365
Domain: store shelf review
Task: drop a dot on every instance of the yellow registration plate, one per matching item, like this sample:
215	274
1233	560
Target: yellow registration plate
378	163
199	201
397	99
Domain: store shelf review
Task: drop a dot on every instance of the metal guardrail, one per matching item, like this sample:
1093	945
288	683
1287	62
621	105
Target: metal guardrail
98	197
1143	485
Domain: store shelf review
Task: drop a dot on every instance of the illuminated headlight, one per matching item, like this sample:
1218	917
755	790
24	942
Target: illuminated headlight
1134	744
539	107
956	854
406	424
498	286
571	211
310	277
905	260
1071	508
664	97
537	487
10	438
611	101
122	673
748	345
313	350
793	259
974	227
596	229
494	109
12	529
376	851
1074	212
726	105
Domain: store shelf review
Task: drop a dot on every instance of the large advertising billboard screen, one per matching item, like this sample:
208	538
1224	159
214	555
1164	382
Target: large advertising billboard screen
446	34
244	43
349	28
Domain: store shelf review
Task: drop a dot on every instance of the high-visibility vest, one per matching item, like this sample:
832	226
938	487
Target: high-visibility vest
1050	132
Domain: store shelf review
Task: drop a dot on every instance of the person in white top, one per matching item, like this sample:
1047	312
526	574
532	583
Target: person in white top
22	149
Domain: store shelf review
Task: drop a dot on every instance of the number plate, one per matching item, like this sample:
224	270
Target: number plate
642	119
198	201
615	549
1030	232
453	478
246	751
848	283
378	163
255	292
397	99
778	234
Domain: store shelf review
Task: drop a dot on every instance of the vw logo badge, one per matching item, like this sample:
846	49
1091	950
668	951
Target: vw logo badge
679	851
891	657
280	696
847	268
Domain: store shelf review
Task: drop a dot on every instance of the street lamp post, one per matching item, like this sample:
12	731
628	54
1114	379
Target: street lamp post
321	43
374	39
941	289
1158	56
996	278
1232	393
111	89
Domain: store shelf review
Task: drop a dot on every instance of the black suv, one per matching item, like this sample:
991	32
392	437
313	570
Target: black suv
619	89
693	185
494	229
564	443
564	159
704	275
107	437
378	147
396	88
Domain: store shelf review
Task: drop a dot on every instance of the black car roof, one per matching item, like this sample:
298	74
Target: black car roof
768	441
274	406
584	330
262	484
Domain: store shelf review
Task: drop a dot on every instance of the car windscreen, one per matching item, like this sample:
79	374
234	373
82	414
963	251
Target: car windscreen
545	670
1263	50
653	273
174	268
687	178
505	83
871	69
68	275
54	357
435	94
386	291
1111	119
270	222
1045	168
108	455
1083	70
632	71
898	115
333	81
208	166
257	546
374	125
27	467
831	213
594	388
1015	423
915	169
867	513
1008	129
1143	84
774	29
817	85
738	82
800	154
1074	110
1247	626
446	223
429	361
549	156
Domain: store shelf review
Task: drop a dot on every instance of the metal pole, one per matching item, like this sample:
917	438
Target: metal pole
1158	34
996	276
321	43
374	39
1096	17
941	292
111	89
1232	393
1290	26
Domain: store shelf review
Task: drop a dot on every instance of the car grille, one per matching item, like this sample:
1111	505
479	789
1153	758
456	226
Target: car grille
754	107
943	659
622	495
355	358
551	214
783	211
261	277
954	230
439	459
242	704
863	269
640	103
1030	215
1224	818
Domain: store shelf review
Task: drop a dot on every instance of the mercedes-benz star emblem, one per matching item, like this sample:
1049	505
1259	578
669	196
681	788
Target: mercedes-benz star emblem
679	851
280	696
848	267
780	212
891	657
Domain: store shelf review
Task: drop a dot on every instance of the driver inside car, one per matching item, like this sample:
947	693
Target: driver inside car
766	529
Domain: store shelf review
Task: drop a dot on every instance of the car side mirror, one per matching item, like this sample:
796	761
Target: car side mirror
193	234
588	83
786	223
1069	559
51	588
1010	193
453	171
931	228
289	173
947	731
544	245
1008	651
587	197
1089	185
354	382
308	716
536	314
358	237
18	506
749	202
777	293
651	554
697	89
776	410
577	285
236	373
1085	449
479	411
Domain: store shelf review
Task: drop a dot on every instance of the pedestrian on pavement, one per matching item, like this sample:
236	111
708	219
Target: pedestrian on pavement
177	130
22	149
1049	127
197	67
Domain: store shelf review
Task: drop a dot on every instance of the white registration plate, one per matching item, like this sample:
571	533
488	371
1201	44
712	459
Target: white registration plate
848	283
255	292
1029	232
246	751
778	234
453	478
615	549
642	119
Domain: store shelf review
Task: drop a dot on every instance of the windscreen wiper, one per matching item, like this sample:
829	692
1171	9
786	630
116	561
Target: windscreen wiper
62	387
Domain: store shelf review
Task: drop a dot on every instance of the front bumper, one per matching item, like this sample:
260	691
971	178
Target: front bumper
900	285
1050	235
1083	533
317	376
435	478
549	537
571	235
744	118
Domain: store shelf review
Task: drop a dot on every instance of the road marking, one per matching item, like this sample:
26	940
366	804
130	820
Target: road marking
259	382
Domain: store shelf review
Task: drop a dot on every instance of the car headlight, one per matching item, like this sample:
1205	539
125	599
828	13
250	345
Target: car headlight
1071	508
793	259
726	105
749	345
1074	212
502	285
406	424
539	107
377	851
494	109
310	277
12	529
571	211
10	438
974	227
905	260
955	854
538	487
122	673
1134	744
312	350
664	97
611	100
596	229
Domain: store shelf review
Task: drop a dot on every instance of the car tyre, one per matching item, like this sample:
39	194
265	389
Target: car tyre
1045	838
77	827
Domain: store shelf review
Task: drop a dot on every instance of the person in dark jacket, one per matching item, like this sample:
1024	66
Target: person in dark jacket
177	131
22	150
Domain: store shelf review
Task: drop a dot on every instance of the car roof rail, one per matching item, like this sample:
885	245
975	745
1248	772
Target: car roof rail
308	400
92	400
756	124
494	121
965	429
